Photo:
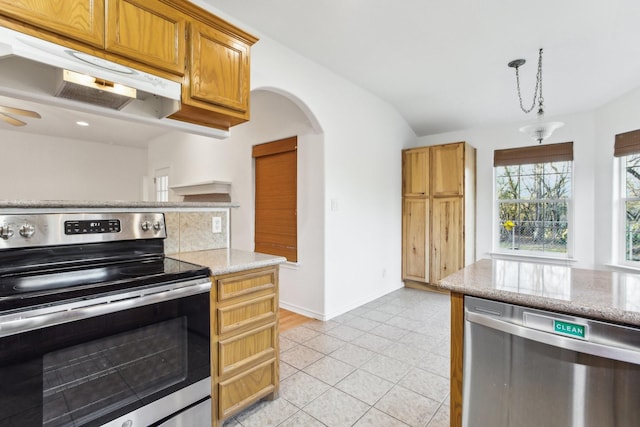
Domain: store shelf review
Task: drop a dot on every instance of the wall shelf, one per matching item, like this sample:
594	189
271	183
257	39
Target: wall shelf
207	187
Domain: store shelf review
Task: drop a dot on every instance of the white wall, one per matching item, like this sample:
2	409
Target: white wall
39	167
356	169
618	116
578	128
363	137
593	135
196	159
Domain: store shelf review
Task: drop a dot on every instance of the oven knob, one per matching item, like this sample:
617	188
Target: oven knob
27	230
5	232
146	225
157	225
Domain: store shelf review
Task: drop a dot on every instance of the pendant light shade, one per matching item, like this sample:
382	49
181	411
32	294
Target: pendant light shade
541	130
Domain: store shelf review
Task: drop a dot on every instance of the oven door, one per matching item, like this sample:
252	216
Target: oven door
91	362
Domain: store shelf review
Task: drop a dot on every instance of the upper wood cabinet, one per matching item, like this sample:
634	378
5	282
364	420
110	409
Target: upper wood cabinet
81	20
147	31
216	89
447	170
218	69
175	39
415	172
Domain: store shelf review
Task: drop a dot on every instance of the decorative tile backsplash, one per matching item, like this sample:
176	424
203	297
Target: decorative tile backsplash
193	231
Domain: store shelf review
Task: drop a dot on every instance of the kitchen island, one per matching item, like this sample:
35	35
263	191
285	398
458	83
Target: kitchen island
244	327
607	296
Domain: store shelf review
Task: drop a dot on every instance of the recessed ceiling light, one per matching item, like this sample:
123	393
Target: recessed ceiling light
81	123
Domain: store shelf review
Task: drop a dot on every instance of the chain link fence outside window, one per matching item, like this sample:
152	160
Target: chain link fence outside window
533	207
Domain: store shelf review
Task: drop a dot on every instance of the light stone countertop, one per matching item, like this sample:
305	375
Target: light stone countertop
21	206
224	261
605	295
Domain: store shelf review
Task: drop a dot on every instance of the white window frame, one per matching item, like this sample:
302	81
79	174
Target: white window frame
533	253
622	212
161	184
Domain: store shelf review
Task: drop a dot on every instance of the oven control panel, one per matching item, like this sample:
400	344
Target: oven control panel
18	230
92	226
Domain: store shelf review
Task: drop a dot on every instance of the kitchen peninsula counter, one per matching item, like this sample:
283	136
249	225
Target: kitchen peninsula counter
225	261
603	295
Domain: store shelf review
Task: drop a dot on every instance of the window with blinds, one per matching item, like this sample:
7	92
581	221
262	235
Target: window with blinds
276	170
533	187
627	150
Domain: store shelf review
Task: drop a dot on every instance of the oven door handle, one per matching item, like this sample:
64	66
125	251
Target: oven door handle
25	321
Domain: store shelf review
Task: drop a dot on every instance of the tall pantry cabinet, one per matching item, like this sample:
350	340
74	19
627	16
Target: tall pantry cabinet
438	211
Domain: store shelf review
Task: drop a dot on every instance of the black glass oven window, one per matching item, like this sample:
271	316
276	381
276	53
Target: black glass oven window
86	381
145	345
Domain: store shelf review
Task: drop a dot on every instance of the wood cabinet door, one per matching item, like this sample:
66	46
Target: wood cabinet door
447	237
147	31
415	172
218	69
447	170
415	239
81	20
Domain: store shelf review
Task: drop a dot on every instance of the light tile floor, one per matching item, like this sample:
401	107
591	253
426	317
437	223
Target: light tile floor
383	364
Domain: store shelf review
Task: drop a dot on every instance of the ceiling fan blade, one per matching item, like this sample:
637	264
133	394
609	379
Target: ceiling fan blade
11	120
19	111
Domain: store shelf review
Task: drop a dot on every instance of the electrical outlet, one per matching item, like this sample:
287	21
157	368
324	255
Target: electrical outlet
216	224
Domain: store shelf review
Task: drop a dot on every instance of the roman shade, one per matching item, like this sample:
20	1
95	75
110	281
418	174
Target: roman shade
535	154
276	198
627	143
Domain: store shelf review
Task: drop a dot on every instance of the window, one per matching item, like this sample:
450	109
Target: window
533	199
276	198
161	179
631	206
627	149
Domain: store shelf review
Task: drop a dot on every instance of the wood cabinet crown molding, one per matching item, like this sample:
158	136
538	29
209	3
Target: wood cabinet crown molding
196	12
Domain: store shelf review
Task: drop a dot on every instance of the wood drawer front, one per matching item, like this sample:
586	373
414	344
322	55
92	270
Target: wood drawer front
239	352
237	316
242	284
242	390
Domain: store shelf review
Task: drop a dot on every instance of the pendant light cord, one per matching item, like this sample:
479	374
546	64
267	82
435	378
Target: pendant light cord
537	93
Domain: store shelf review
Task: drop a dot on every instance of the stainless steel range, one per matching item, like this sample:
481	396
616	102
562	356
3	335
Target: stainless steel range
97	326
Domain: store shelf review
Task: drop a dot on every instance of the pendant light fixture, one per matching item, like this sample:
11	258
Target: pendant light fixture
539	130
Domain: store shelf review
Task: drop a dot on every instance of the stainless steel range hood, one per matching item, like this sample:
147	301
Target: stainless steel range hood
39	71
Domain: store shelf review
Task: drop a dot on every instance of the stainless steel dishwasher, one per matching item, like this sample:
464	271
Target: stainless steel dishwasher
527	367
